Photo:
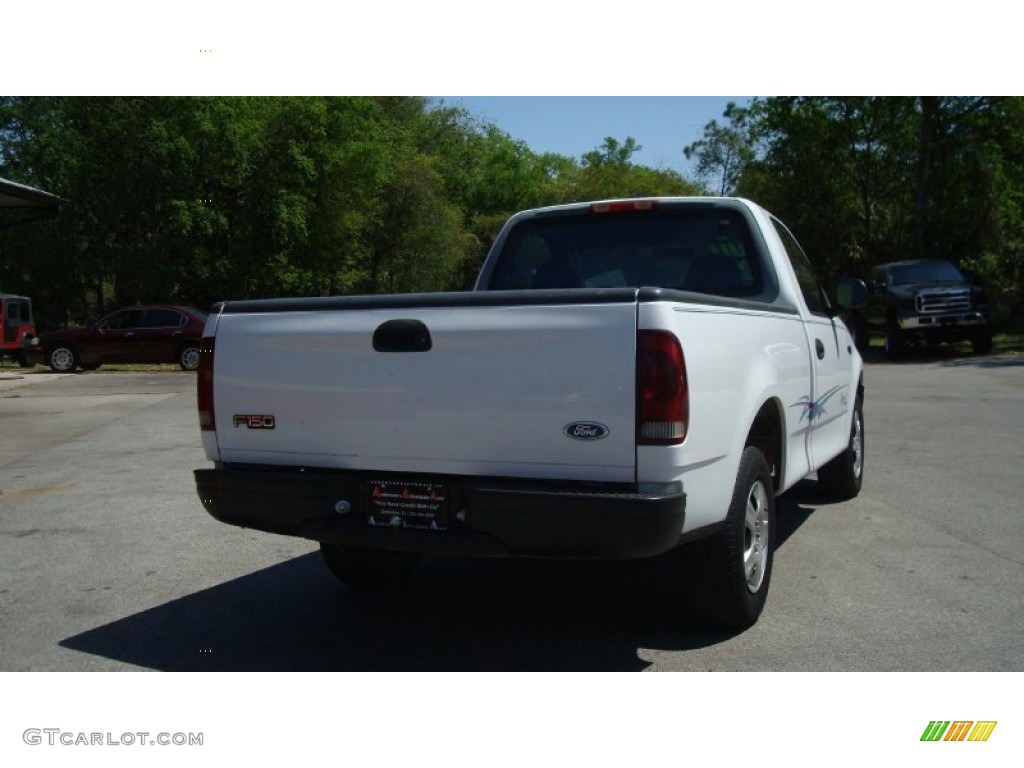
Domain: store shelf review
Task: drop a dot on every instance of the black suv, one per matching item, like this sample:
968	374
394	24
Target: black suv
928	302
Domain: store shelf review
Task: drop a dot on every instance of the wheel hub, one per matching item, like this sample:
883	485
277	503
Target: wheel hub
857	444
756	537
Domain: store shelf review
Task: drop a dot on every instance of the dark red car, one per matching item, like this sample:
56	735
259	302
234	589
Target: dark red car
151	334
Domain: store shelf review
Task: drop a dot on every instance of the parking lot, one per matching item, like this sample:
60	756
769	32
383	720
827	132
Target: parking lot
108	561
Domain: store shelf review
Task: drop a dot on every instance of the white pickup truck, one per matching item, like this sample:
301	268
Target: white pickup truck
627	377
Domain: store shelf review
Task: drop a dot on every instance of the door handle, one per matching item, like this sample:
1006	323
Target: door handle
819	347
402	336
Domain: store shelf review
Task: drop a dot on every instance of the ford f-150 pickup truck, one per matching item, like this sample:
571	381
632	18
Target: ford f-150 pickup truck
628	379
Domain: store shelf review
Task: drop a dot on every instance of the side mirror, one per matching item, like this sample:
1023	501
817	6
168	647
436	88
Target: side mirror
851	293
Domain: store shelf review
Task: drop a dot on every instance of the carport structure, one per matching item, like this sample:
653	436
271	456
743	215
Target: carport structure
21	204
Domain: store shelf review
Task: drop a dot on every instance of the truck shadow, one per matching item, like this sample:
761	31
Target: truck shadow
475	615
457	615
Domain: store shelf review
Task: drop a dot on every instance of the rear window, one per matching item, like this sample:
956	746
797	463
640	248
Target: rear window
705	250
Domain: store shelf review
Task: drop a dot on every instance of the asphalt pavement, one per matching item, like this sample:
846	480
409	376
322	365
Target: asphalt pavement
108	561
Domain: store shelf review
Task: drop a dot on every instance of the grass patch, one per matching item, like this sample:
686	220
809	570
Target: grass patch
1008	343
1010	340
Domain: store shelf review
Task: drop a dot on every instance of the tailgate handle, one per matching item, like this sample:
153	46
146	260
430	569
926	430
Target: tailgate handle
402	336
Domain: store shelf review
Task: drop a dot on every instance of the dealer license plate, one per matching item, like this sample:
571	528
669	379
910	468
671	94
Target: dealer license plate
408	504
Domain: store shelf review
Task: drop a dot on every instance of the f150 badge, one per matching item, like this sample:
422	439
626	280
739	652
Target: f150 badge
253	421
585	430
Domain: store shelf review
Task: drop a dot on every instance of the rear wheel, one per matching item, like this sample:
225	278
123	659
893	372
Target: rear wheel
728	574
842	477
188	357
369	569
62	359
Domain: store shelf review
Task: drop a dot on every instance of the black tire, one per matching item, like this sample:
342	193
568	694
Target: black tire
981	341
22	360
728	574
62	359
369	569
842	477
895	344
188	357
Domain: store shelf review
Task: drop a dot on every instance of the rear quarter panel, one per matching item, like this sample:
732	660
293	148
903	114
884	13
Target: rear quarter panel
737	360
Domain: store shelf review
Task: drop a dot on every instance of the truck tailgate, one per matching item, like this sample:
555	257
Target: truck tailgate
504	390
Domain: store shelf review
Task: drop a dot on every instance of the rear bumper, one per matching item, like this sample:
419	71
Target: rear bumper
488	516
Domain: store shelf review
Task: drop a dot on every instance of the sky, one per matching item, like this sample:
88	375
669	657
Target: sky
574	125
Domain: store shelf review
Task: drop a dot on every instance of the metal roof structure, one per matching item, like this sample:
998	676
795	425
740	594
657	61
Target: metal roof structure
35	202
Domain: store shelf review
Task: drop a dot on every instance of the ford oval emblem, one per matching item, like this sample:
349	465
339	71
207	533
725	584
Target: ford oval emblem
585	430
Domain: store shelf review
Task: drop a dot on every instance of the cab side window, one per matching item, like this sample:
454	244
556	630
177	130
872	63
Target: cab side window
815	298
120	321
161	318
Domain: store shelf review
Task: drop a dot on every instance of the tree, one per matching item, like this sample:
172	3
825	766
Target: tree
839	171
194	200
864	180
724	151
608	172
612	154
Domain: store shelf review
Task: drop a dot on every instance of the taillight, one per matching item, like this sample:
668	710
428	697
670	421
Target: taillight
204	384
663	399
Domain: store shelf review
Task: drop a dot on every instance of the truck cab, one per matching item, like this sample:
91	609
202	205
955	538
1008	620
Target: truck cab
17	328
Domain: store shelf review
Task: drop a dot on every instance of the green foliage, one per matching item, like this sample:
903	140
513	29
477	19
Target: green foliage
723	152
608	172
194	200
865	180
840	170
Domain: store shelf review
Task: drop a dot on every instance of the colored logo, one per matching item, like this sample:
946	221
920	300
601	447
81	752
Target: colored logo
815	409
958	730
586	430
